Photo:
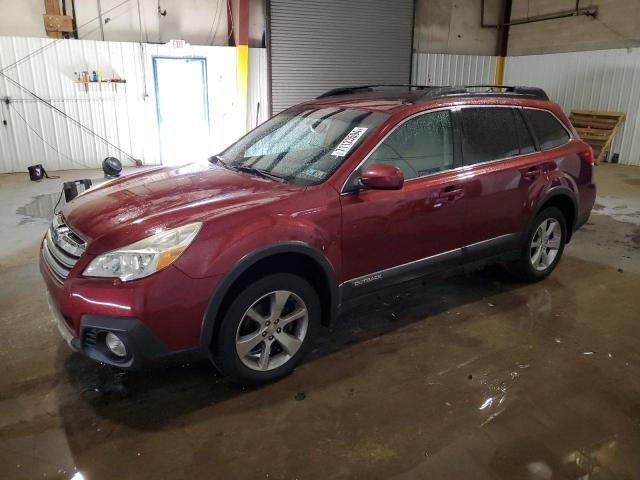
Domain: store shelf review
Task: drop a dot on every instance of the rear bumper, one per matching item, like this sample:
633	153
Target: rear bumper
587	201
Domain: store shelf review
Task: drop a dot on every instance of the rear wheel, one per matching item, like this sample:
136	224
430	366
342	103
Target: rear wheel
543	246
268	329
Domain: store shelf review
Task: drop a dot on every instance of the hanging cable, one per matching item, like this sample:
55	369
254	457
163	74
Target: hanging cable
37	134
70	118
614	31
215	21
57	203
231	17
55	42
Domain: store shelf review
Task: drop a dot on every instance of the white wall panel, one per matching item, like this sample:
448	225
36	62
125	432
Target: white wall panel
597	80
109	110
258	87
124	114
445	69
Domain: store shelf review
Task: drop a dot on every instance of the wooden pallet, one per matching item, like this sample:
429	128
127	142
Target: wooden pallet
597	129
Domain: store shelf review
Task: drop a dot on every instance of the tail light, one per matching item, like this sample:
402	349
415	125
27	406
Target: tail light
587	155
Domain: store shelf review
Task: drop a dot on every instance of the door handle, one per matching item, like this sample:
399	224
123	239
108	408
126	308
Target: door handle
451	193
533	173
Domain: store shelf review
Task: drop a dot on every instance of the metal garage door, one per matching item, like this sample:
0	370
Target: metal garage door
317	45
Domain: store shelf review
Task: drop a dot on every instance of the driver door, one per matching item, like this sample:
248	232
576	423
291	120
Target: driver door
394	235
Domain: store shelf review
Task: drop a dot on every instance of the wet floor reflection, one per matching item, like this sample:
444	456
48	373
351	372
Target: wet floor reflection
473	376
42	206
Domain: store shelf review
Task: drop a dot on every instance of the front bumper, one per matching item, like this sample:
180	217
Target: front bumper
158	318
143	348
65	332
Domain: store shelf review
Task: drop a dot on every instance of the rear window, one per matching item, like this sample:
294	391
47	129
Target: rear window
493	133
547	128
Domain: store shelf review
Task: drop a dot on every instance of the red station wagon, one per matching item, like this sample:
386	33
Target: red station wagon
243	257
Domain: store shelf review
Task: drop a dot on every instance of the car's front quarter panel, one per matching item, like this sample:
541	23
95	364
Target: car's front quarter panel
311	217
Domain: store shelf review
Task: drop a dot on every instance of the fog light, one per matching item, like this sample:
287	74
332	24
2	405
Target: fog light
115	345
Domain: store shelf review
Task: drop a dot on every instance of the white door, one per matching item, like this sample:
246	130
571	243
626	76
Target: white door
183	113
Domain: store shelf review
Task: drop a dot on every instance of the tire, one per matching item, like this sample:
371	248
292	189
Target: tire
267	317
532	267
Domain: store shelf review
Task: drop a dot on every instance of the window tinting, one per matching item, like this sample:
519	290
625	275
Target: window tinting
526	142
491	133
421	146
548	130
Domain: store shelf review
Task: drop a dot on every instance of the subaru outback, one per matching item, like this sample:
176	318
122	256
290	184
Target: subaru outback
244	257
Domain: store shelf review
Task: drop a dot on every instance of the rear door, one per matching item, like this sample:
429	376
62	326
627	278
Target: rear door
501	165
391	235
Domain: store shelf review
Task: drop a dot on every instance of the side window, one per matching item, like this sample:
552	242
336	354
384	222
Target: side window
421	146
547	128
489	133
526	142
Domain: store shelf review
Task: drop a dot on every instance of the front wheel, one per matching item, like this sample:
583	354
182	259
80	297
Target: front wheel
267	329
543	246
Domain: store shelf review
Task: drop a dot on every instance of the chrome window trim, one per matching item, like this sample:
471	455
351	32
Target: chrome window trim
461	167
569	132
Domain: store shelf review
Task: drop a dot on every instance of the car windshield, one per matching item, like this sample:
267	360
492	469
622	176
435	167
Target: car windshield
303	146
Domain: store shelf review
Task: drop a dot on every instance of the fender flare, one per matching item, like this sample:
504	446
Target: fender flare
215	302
564	191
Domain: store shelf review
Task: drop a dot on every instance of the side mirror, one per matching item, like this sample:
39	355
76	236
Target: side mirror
382	177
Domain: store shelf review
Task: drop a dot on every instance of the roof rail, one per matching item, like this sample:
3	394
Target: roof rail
438	91
370	88
506	90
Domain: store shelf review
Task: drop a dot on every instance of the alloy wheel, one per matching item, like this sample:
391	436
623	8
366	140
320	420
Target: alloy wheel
545	244
272	330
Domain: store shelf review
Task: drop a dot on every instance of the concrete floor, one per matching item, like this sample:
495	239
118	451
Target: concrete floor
473	377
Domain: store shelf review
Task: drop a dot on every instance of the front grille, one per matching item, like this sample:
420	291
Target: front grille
61	248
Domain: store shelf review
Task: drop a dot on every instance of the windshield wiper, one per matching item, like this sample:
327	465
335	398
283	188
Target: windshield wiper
218	159
259	172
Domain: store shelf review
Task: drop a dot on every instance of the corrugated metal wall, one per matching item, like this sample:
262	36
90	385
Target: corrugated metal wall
444	69
258	88
124	114
322	44
110	111
597	80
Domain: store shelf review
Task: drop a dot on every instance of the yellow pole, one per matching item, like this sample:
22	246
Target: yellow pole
499	70
242	69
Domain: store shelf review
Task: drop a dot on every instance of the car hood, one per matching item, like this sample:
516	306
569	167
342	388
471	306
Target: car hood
135	206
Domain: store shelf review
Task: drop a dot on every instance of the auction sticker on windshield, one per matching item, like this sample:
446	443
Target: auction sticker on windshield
349	141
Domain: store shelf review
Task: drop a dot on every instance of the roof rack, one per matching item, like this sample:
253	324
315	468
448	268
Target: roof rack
369	88
436	91
505	90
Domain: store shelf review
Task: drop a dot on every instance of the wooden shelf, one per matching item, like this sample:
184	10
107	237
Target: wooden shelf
597	129
109	82
113	84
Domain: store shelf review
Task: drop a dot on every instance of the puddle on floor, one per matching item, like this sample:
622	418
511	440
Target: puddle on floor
41	207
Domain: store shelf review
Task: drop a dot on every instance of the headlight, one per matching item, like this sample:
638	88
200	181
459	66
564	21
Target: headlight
145	257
